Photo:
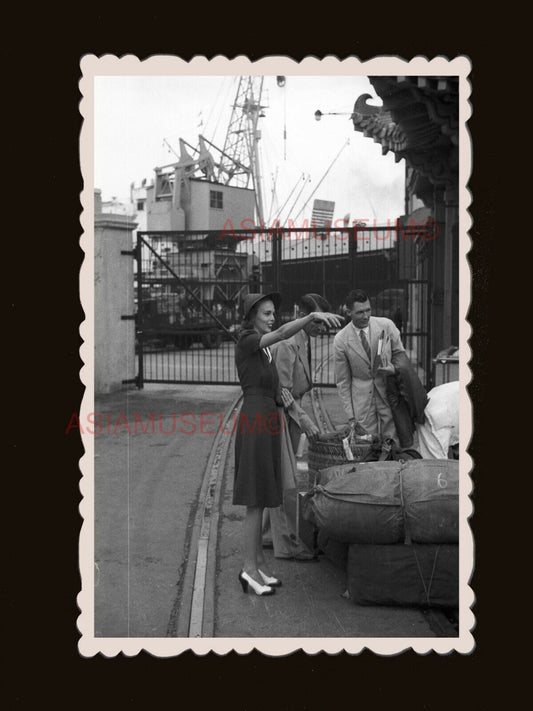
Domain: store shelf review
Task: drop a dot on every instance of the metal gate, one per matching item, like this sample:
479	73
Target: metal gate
190	285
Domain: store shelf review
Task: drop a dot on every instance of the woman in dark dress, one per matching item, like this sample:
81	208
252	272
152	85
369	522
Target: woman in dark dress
258	447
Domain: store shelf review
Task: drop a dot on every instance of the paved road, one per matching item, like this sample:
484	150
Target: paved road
146	488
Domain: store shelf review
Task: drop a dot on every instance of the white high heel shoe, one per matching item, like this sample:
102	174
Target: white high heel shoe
247	581
268	580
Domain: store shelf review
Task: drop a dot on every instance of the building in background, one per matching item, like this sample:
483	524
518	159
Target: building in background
138	200
322	215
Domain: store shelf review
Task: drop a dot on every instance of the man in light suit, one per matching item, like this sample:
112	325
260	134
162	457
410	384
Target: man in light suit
360	373
293	363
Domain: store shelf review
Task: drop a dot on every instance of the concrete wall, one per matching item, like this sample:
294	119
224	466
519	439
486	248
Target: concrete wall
113	273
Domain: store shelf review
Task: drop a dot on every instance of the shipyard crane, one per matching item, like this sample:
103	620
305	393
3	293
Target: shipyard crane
239	164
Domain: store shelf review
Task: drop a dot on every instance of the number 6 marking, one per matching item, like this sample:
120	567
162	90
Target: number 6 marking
441	481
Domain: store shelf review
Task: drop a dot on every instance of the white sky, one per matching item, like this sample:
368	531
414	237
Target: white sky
134	114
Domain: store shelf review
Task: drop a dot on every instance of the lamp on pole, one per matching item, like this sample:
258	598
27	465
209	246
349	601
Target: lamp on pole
319	114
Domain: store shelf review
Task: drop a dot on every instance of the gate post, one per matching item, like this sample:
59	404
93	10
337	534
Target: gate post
113	302
139	314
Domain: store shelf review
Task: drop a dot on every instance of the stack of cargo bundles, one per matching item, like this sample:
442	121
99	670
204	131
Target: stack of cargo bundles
395	526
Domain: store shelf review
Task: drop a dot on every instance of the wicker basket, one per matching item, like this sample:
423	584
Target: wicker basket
327	450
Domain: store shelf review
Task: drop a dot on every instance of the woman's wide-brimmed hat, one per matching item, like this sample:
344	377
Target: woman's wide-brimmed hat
252	299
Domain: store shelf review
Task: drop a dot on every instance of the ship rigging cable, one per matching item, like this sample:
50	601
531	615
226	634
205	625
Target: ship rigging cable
204	131
301	177
230	86
273	194
322	179
296	200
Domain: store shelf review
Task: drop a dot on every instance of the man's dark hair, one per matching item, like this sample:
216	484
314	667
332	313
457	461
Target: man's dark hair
355	295
313	302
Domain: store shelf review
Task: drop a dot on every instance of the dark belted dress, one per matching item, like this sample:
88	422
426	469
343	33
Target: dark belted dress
257	443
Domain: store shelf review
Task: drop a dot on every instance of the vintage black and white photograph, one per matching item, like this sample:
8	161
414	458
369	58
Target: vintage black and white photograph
275	416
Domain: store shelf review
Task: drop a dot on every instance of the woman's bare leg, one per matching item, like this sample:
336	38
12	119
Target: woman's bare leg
252	535
260	556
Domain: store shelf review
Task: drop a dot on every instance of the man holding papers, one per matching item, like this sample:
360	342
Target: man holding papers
366	351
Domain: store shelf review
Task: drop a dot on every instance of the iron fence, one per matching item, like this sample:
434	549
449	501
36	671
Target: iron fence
190	286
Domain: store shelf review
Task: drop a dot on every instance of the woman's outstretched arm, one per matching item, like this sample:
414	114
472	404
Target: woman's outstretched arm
292	327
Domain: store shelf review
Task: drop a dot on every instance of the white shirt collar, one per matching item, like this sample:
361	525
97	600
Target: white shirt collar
357	330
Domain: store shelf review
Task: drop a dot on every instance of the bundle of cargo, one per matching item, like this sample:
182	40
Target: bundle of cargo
430	492
361	505
326	475
335	551
416	574
393	526
388	502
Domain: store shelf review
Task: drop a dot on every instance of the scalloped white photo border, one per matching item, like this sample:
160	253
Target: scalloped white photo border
166	65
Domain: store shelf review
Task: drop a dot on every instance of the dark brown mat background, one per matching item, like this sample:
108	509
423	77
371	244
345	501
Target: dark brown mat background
41	546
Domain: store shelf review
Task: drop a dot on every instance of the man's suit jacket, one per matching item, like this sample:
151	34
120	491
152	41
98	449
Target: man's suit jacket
292	365
355	375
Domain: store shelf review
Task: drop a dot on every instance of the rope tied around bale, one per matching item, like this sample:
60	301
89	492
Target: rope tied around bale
427	588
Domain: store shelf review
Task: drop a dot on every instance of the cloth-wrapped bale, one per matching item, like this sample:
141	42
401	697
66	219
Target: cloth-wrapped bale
430	493
361	506
387	502
335	551
422	575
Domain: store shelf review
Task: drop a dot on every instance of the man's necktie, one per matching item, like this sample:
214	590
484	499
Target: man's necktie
365	344
309	353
